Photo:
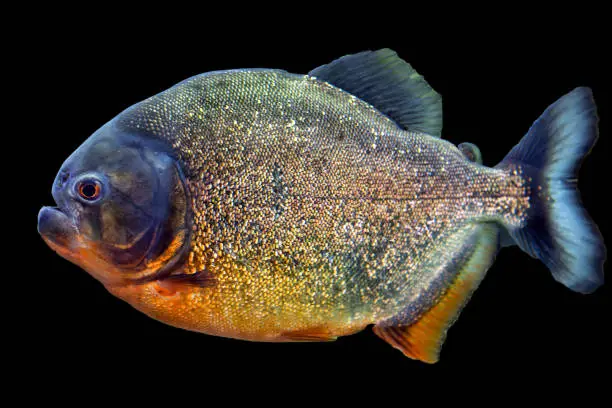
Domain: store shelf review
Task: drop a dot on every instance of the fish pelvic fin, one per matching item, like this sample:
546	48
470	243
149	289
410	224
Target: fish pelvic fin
423	339
558	230
312	334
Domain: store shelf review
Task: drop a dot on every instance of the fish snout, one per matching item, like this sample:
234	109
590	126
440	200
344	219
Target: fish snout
55	226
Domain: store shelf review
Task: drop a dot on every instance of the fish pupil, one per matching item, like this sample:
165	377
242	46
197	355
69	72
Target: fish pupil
89	190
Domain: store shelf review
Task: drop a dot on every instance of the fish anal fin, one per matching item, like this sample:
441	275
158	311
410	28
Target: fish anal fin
423	339
312	334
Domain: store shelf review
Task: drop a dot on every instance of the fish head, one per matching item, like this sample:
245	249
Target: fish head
122	212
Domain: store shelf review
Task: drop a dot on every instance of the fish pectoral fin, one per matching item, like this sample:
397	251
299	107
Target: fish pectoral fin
391	85
313	334
423	339
172	284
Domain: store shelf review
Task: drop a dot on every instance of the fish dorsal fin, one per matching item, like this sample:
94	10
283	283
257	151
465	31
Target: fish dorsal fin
390	84
423	339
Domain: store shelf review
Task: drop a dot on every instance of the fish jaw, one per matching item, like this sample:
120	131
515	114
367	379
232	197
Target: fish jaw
59	231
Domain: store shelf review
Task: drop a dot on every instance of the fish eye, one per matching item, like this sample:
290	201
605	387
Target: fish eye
89	189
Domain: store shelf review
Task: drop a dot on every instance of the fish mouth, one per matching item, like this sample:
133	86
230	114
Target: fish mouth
56	228
61	234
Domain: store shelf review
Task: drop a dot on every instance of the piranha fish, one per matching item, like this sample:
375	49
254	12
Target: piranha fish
267	206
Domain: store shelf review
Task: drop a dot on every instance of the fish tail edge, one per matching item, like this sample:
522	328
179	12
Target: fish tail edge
558	229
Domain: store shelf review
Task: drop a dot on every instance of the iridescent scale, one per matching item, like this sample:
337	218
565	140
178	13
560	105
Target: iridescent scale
310	206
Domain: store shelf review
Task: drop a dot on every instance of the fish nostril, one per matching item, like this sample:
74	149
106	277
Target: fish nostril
62	178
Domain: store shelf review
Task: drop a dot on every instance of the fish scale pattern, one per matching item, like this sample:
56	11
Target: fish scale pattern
310	208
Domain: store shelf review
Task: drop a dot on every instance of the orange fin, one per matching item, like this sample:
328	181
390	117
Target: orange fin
423	339
172	284
314	334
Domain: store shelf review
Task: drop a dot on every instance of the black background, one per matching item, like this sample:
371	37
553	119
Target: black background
521	330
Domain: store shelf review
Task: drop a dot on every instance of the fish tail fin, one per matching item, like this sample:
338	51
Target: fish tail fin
558	230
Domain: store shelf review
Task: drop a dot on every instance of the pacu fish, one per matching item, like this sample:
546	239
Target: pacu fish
262	205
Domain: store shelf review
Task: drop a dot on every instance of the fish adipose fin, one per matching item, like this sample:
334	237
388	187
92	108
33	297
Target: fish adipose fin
559	231
471	152
423	339
391	85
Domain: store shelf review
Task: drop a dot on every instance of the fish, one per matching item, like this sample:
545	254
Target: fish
262	205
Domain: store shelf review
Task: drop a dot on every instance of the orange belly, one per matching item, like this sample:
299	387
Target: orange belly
226	313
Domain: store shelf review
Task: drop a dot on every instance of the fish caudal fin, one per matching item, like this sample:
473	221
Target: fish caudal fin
559	231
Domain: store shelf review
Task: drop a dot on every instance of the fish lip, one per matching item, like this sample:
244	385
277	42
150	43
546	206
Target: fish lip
55	226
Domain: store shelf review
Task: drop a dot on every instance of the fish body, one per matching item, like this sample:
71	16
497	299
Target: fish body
278	207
